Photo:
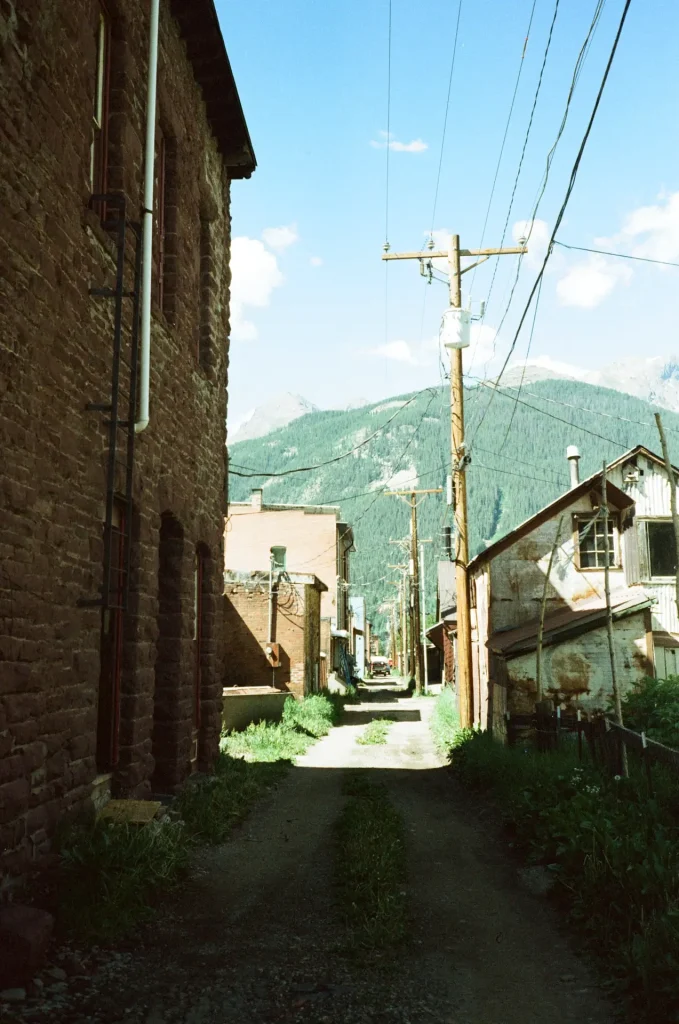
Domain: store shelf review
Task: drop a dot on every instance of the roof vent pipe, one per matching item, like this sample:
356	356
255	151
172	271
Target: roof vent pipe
573	456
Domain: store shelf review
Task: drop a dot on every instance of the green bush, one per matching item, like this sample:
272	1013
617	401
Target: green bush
653	708
612	847
110	874
315	714
266	741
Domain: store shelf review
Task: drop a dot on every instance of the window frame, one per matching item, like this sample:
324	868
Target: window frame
645	549
582	519
98	168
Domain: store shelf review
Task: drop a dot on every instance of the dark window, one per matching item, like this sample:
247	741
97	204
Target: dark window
662	549
591	543
99	137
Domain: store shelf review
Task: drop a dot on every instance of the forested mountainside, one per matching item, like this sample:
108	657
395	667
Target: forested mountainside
518	464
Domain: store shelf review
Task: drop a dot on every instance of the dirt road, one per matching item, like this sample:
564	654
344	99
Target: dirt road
254	936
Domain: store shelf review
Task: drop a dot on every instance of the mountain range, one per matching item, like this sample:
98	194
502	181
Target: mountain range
517	451
655	380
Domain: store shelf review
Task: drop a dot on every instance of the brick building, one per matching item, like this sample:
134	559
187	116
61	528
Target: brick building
316	541
272	631
110	538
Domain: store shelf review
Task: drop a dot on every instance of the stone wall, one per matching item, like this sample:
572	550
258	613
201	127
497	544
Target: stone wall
56	344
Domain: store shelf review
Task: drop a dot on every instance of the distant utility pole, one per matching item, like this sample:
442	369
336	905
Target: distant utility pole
403	599
394	653
459	458
423	635
416	645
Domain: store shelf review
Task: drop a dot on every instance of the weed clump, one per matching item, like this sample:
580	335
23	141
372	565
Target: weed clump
445	722
375	732
613	849
110	874
371	866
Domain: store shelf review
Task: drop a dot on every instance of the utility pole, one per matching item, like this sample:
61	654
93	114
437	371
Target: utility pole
394	654
416	627
406	628
459	457
423	635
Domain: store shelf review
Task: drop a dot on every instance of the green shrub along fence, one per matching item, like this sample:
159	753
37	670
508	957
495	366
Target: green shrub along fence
611	843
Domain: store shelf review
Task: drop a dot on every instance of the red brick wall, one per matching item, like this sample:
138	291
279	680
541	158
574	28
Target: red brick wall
55	356
246	622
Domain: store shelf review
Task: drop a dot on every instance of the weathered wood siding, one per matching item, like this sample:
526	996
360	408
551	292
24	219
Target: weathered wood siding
651	495
517	575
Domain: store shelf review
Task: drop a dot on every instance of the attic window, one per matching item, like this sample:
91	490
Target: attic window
591	543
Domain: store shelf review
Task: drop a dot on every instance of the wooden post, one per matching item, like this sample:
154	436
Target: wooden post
673	496
464	674
609	615
543	606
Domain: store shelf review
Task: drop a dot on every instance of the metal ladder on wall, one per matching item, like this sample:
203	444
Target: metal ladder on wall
115	585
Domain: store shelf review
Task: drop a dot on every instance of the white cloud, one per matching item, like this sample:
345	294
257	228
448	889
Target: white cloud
280	238
537	235
483	346
399	351
387	139
651	231
587	284
254	275
316	261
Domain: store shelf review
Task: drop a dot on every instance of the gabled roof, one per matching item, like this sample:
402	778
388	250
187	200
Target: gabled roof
640	450
199	26
564	624
615	496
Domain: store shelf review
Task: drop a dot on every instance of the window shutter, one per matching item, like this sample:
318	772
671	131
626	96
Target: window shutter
630	552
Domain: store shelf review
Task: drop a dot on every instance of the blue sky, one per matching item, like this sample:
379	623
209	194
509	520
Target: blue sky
310	314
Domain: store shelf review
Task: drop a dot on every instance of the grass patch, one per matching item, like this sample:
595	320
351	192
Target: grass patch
375	732
445	722
371	866
613	850
211	805
110	874
303	722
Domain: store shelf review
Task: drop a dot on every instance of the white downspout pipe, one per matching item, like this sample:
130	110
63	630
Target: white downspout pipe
147	224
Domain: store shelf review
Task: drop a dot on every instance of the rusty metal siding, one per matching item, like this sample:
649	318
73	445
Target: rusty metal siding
577	672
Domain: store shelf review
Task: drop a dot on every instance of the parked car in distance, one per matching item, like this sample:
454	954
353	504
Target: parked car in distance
379	667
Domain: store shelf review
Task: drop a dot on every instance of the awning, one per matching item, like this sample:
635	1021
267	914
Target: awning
562	625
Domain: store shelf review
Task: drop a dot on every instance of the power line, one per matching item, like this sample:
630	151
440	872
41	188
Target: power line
543	412
569	190
523	371
445	117
579	63
504	137
509	472
518	172
337	458
487	451
618	255
379	493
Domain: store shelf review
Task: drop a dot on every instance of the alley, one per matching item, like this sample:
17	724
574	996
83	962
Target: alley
254	935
